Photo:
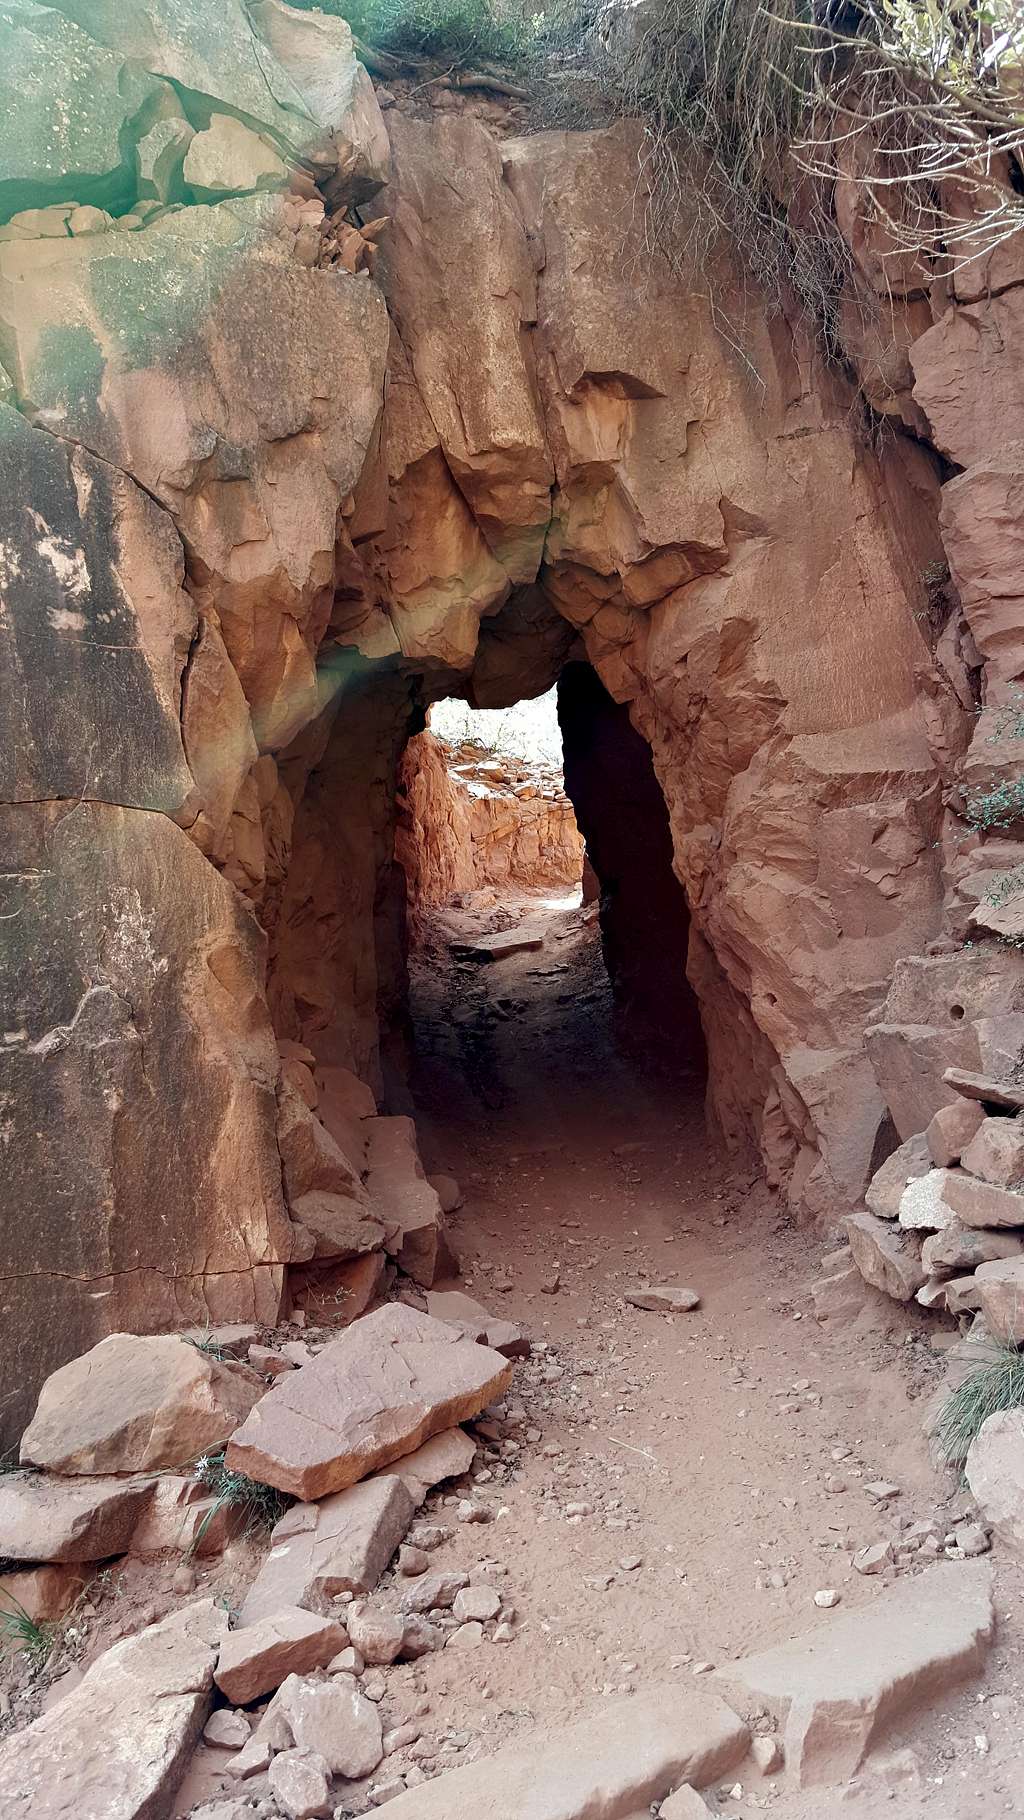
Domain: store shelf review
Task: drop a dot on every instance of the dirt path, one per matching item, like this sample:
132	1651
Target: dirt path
678	1488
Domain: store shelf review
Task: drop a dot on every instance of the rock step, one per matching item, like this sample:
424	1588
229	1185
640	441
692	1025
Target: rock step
835	1689
609	1766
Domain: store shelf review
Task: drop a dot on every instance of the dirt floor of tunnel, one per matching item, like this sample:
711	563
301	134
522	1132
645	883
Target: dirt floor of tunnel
686	1483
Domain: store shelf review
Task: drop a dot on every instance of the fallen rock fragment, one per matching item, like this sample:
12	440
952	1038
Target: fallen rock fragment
885	1190
834	1690
377	1635
961	1248
610	1766
666	1299
445	1456
950	1131
684	1804
986	1088
470	1317
1000	1287
49	1519
434	1592
981	1203
996	1152
476	1603
887	1257
922	1203
135	1405
334	1719
255	1660
995	1474
181	1514
447	1191
299	1782
377	1392
342	1544
117	1744
226	1730
498	947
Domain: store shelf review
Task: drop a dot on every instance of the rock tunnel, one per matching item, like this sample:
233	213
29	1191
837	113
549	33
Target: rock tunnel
266	506
336	398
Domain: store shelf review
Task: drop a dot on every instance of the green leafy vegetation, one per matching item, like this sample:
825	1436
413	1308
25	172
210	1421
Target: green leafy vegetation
259	1506
998	807
208	1346
998	1385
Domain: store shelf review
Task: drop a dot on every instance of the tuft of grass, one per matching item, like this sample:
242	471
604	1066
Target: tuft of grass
208	1346
998	1385
23	1634
260	1505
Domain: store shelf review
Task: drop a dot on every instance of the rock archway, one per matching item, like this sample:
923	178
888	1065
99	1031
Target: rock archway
271	526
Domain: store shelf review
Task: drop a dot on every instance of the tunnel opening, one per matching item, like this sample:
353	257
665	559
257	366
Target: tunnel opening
547	931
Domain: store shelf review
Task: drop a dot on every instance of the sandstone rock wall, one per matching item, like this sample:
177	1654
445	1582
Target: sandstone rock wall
480	822
261	509
186	405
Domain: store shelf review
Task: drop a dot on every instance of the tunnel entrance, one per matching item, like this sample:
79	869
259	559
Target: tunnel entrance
547	930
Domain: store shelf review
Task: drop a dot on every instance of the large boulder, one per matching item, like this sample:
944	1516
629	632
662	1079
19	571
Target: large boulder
137	1405
390	1382
118	1743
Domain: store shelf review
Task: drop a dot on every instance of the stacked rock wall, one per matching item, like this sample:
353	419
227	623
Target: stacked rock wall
260	509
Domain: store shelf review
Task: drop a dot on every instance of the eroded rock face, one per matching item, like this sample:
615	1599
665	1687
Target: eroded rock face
462	828
133	986
255	564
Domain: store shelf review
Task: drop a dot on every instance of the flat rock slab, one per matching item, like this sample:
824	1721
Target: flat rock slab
342	1544
49	1519
461	1311
982	1087
256	1660
979	1203
136	1405
959	1248
665	1300
995	1474
116	1746
381	1389
610	1766
835	1689
498	947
